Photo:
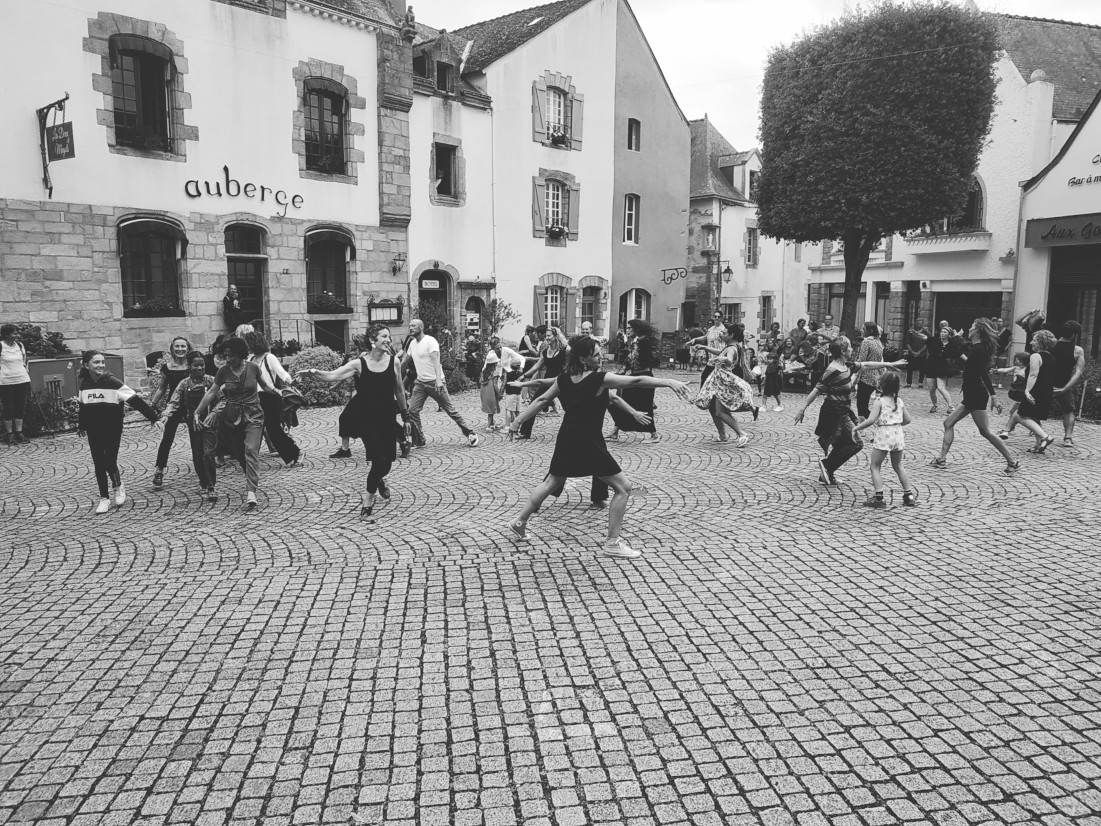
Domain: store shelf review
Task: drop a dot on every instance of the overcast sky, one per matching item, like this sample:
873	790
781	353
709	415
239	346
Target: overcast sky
713	51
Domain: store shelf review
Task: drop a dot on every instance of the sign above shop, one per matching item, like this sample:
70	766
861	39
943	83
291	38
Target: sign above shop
235	189
430	284
1064	231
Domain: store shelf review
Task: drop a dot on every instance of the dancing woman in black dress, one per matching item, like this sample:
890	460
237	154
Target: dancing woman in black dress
977	392
379	398
580	449
642	357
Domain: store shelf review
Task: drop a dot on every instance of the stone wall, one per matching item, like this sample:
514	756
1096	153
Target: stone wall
61	270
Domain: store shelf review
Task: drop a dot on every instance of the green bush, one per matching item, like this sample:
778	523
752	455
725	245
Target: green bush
320	393
285	349
47	413
42	344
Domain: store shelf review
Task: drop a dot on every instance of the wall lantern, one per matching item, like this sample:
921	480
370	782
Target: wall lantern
397	263
727	274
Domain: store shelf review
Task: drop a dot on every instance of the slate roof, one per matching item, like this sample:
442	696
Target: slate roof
709	147
1069	53
493	39
377	10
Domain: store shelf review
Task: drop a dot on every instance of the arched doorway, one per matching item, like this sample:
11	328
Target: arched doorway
433	287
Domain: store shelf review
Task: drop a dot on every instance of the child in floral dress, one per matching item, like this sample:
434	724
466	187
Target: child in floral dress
887	417
511	407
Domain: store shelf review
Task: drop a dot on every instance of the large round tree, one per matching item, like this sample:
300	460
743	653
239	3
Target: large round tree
873	125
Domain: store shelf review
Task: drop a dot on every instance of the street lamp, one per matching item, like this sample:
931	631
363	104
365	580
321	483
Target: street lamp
725	274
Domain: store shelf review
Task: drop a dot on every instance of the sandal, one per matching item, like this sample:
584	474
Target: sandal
743	440
1068	441
1045	444
1004	435
934	409
1012	468
939	464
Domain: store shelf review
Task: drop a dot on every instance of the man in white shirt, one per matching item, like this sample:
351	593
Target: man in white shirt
424	350
828	331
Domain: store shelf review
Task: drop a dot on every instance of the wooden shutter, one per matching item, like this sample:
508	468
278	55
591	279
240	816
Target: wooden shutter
571	311
577	106
536	307
539	111
538	208
573	206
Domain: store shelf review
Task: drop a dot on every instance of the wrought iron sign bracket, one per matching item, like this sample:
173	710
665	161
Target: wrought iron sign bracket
43	114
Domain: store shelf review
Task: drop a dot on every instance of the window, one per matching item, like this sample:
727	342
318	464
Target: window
768	312
732	313
141	83
556	112
590	303
445	74
554	304
630	219
327	274
446	183
798	252
634	135
882	302
752	248
634	304
325	111
754	180
555	198
971	219
148	254
837	300
245	264
420	66
555	207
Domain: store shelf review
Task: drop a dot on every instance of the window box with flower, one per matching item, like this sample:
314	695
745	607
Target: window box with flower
155	307
559	136
557	231
326	303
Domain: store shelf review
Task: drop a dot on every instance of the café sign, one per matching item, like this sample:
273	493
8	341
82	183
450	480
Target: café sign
1064	231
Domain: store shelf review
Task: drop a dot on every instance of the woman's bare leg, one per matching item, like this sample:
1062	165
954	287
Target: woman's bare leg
621	492
982	422
539	495
950	429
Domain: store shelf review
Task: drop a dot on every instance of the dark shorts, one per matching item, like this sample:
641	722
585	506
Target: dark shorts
1062	403
977	399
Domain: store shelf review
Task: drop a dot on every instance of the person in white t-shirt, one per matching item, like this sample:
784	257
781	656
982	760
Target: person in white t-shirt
424	350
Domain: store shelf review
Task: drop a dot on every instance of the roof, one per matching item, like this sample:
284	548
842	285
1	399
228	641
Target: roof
493	39
1069	53
1039	176
375	10
708	148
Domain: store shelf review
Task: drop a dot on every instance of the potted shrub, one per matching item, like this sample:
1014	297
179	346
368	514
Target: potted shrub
557	231
559	136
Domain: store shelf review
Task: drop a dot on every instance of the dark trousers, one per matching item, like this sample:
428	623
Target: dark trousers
379	469
843	446
199	459
169	436
915	364
864	399
13	400
273	428
104	444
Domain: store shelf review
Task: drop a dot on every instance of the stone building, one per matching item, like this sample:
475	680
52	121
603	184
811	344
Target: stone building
751	279
967	265
261	144
588	168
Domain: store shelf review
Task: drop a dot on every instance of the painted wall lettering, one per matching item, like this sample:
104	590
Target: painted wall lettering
234	189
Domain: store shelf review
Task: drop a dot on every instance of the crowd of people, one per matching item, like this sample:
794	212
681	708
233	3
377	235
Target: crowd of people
238	395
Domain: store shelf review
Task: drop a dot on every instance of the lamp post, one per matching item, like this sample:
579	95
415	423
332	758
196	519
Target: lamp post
722	276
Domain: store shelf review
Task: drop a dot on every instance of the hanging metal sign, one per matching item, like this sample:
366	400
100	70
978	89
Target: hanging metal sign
59	142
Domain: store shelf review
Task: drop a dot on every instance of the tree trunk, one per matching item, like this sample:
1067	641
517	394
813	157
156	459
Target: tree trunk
858	248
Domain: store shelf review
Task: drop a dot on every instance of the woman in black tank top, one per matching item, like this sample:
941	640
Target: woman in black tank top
381	397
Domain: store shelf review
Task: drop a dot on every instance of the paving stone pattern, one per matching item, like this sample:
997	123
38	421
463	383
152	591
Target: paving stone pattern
780	654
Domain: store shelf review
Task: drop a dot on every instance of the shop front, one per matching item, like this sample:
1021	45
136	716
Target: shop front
1060	263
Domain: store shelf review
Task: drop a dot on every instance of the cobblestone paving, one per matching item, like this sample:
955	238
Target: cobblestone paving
779	655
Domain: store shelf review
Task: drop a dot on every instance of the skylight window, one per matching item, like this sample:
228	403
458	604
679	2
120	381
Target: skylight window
533	22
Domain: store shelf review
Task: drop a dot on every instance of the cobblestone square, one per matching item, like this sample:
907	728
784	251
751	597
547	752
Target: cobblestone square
779	655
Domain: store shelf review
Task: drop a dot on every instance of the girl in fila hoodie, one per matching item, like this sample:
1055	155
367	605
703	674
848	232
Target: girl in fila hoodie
101	399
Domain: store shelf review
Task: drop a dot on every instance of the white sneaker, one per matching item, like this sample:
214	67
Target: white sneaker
103	506
120	494
250	504
778	409
473	439
619	548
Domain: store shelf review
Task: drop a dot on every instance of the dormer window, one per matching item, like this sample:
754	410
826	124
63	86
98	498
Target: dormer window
754	180
420	66
445	77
